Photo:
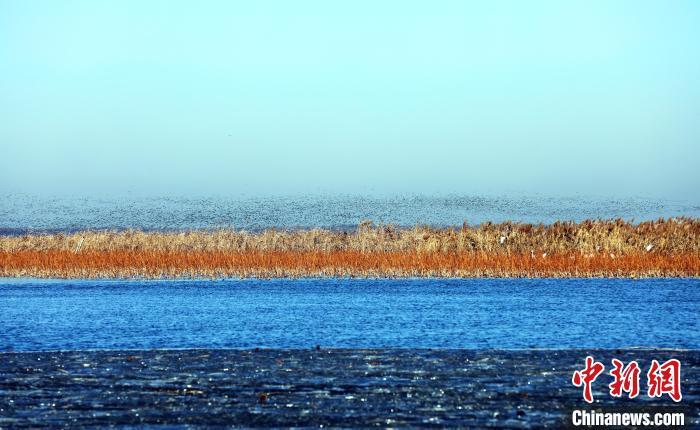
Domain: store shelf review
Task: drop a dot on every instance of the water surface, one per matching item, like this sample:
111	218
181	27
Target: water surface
405	313
20	213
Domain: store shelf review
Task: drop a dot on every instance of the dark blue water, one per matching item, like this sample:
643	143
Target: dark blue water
19	212
475	313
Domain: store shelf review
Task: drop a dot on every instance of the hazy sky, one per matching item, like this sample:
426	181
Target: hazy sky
204	97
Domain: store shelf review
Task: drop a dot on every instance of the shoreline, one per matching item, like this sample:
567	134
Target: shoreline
631	349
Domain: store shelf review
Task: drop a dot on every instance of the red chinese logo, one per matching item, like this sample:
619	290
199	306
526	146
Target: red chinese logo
661	379
587	376
626	379
665	379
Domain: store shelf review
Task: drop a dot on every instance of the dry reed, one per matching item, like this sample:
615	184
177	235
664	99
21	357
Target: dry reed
612	248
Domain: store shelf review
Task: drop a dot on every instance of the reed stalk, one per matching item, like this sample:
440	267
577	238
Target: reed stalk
610	248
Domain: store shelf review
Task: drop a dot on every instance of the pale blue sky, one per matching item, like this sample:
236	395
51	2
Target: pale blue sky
205	97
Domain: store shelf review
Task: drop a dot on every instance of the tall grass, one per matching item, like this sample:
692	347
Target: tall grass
216	264
590	248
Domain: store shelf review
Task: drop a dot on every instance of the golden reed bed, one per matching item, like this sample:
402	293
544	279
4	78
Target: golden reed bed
591	248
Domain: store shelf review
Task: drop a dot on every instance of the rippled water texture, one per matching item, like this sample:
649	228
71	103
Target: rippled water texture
19	213
412	313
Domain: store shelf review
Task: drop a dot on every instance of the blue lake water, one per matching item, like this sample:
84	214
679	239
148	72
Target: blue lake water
407	313
20	213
